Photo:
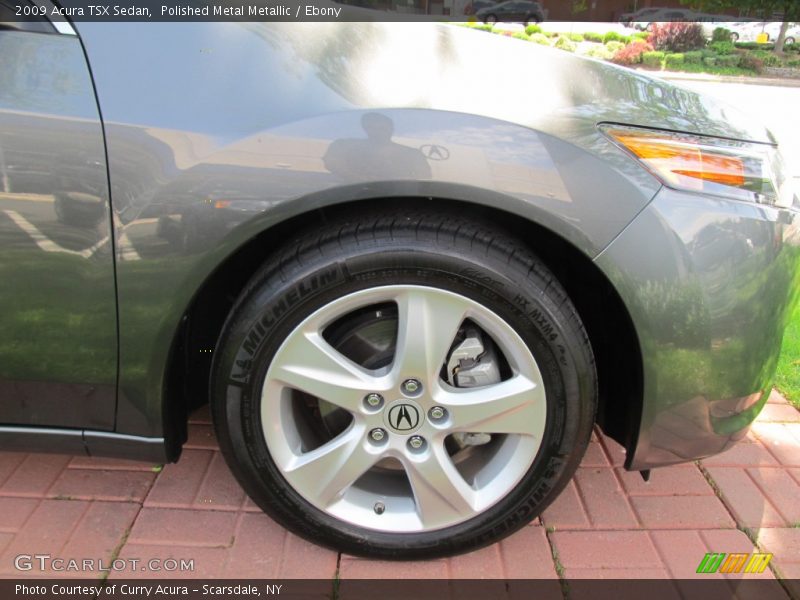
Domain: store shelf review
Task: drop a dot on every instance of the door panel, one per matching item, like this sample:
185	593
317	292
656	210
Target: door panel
58	344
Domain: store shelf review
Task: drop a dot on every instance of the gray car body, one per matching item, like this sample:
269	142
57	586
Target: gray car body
220	137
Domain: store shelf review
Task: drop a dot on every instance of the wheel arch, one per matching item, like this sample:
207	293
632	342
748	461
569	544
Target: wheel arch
609	326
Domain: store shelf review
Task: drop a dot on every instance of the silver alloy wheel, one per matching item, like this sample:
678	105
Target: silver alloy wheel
342	476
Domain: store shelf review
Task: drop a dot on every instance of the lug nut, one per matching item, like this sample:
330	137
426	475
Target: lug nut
379	508
437	413
415	442
373	400
411	386
377	435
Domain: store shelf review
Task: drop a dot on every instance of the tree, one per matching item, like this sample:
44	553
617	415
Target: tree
789	9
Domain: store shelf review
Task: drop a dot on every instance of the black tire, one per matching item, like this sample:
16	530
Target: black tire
789	40
734	36
416	247
490	19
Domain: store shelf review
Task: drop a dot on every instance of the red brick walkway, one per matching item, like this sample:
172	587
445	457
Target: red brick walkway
608	523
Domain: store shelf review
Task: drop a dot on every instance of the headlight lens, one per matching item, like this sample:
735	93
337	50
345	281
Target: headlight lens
704	164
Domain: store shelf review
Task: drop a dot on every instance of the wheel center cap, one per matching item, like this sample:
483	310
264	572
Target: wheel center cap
403	416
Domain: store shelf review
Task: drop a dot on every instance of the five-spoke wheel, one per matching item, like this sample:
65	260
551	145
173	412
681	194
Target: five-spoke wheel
403	384
403	413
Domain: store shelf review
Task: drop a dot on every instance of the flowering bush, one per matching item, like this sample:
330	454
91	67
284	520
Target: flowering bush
677	37
632	53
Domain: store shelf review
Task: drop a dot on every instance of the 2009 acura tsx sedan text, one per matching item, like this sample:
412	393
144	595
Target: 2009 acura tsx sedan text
407	292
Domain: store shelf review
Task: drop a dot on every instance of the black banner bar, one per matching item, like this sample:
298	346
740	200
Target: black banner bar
354	11
405	589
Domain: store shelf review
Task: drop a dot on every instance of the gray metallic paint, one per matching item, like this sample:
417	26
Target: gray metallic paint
58	339
174	144
709	284
271	119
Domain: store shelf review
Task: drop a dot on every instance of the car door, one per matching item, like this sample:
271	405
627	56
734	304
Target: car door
519	10
676	16
58	339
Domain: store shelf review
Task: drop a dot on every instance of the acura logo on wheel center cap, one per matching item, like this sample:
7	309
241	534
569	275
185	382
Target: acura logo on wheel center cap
403	416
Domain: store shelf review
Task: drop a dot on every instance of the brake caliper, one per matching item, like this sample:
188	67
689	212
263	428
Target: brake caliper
473	363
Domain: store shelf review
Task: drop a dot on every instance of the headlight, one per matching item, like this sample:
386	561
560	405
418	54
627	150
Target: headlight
704	164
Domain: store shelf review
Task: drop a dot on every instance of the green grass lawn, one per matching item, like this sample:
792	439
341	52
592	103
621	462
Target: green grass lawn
787	379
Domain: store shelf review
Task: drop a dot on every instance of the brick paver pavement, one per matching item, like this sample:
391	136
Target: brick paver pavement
608	523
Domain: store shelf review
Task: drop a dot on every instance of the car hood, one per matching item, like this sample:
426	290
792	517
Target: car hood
447	67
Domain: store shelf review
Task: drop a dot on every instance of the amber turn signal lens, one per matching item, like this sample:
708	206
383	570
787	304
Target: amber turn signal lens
682	159
703	164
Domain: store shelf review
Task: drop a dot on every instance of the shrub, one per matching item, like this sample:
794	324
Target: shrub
576	37
767	58
481	26
729	60
710	61
521	35
794	63
640	35
707	52
721	34
751	62
722	48
564	43
600	52
673	61
592	37
632	53
613	46
653	60
677	37
754	46
550	34
693	57
532	28
540	38
613	36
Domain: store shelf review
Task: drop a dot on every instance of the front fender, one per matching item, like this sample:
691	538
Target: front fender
186	202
